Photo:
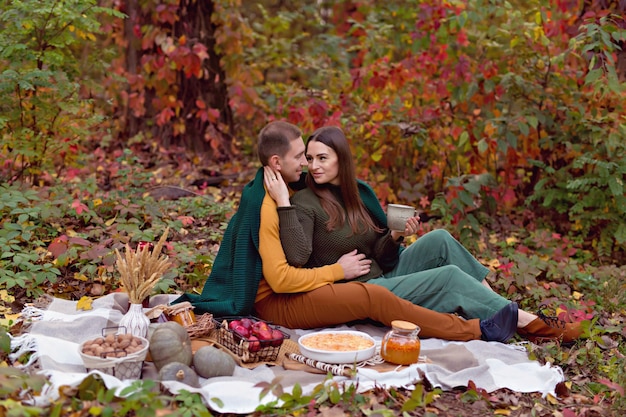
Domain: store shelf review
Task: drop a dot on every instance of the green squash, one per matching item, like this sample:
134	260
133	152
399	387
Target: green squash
172	325
209	361
170	342
176	371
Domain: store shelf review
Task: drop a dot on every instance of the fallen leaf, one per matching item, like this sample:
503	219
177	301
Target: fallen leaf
551	399
613	385
493	263
562	389
8	319
58	246
80	277
84	303
6	297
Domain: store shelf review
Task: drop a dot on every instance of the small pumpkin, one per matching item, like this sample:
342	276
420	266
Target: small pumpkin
169	343
172	325
176	371
209	361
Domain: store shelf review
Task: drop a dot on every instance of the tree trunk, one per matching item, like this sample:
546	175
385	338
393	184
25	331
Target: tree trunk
201	136
132	50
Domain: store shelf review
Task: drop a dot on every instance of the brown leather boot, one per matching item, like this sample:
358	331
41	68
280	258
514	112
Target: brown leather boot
545	328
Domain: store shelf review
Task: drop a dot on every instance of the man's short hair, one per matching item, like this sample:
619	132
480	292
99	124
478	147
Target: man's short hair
275	139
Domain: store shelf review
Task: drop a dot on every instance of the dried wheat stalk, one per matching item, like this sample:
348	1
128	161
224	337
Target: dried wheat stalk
141	269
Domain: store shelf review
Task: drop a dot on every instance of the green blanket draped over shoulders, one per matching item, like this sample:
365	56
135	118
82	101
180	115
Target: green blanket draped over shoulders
232	285
371	203
370	199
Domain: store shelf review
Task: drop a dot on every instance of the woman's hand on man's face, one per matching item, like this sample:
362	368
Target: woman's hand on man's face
276	186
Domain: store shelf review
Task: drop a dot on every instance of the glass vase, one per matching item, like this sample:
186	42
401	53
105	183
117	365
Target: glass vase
135	321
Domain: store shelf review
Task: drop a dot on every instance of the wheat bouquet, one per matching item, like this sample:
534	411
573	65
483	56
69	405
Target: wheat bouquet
140	269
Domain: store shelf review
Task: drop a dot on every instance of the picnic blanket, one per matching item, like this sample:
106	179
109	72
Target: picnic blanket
54	333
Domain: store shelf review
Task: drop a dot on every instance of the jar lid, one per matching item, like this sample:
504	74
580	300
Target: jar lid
403	325
179	308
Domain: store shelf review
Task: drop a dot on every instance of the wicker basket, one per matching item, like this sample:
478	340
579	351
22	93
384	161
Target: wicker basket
126	367
262	351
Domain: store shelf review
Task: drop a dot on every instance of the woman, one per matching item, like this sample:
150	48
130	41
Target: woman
337	214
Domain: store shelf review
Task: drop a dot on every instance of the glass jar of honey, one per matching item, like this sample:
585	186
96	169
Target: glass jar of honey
401	345
182	313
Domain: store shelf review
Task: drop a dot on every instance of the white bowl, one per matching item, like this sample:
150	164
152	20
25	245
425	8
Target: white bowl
337	356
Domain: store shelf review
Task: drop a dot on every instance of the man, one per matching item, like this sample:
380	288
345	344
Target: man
251	274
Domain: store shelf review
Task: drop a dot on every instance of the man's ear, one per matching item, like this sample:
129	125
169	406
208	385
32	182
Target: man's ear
274	162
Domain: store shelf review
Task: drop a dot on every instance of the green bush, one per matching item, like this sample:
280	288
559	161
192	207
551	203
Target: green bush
45	114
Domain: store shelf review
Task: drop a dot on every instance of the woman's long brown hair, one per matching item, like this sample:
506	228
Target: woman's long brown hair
355	211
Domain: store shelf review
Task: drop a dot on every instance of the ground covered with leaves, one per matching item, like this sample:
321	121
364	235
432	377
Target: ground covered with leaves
64	236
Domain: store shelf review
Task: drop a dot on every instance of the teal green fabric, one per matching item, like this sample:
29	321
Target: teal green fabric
370	199
438	273
237	270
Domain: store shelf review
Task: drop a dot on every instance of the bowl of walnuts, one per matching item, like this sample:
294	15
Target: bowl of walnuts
117	354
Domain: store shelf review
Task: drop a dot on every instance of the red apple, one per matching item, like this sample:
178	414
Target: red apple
253	344
246	322
260	325
241	331
264	336
277	337
233	324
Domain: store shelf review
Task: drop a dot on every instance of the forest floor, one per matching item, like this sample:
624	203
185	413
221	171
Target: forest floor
594	368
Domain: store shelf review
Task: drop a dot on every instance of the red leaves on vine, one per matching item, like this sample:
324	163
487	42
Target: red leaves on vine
296	115
164	116
318	110
377	80
461	38
167	13
204	114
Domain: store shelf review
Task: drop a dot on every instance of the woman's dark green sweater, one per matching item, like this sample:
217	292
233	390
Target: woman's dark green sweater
307	242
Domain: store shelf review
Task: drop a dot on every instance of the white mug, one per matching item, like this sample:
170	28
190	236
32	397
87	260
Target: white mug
398	214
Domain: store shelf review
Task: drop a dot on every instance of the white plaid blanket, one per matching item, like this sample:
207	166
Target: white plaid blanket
55	333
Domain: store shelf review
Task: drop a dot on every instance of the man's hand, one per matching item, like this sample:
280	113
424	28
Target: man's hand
276	187
354	264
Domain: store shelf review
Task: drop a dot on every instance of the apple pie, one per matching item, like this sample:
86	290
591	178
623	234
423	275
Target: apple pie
338	342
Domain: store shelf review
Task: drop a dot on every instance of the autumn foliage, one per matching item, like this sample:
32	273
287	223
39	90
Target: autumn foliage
468	109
